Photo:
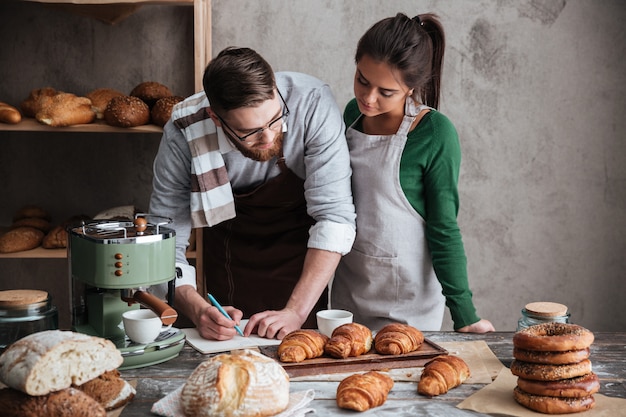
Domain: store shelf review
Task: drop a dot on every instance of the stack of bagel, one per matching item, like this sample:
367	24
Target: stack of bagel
553	368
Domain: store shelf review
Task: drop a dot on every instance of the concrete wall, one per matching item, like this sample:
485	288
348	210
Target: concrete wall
535	88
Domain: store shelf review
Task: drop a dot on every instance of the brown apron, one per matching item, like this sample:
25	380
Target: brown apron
253	261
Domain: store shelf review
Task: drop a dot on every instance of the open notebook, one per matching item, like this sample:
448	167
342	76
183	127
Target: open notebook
238	342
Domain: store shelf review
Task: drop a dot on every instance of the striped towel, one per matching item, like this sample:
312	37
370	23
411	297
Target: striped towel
212	199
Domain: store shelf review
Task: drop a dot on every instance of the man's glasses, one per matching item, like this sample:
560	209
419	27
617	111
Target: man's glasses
275	125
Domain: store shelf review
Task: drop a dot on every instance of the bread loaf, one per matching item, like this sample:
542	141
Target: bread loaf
52	360
20	239
442	374
350	339
9	114
162	109
360	392
55	239
36	100
242	384
100	99
66	109
69	402
109	389
300	345
150	92
126	111
26	212
36	222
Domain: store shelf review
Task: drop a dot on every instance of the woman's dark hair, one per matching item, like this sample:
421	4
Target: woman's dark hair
238	77
414	47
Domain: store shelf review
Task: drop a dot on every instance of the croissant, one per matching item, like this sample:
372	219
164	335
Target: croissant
442	374
361	392
350	339
398	338
300	345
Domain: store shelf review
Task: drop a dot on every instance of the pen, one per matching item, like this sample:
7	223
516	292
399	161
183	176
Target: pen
219	307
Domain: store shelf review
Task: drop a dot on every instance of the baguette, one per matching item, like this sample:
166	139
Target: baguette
9	114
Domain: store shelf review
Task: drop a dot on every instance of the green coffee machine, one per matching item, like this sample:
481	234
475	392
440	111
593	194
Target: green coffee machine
113	267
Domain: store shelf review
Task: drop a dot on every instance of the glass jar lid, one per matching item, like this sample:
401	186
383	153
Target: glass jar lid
546	309
18	300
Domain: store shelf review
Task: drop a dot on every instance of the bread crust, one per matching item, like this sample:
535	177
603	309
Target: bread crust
36	100
150	92
553	405
69	402
20	239
553	337
66	109
543	372
52	360
577	387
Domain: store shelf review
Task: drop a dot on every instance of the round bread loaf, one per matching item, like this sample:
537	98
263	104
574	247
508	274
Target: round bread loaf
553	405
150	92
127	111
541	372
100	98
578	387
52	360
162	110
553	337
20	239
31	211
242	384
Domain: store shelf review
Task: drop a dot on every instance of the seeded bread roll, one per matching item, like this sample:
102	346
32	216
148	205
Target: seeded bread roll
20	239
52	360
127	111
100	98
162	110
150	92
66	109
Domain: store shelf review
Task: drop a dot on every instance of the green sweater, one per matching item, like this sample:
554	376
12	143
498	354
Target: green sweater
429	173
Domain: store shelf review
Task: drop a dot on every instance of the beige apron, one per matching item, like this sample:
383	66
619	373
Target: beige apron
388	276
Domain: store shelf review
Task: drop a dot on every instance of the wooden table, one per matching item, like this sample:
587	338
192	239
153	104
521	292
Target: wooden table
608	356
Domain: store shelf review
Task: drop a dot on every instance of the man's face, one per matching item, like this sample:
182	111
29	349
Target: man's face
263	124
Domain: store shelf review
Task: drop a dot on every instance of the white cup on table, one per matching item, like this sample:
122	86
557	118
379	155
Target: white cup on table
329	320
143	326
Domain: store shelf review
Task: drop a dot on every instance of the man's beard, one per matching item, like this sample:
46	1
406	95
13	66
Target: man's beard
261	155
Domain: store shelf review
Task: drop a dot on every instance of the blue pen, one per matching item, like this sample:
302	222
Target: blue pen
219	307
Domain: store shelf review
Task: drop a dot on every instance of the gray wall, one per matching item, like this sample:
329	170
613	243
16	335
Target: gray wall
535	89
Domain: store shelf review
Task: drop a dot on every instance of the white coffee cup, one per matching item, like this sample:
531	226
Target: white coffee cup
329	320
143	326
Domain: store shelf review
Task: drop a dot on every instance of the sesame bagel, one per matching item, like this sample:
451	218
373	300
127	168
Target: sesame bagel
551	358
541	372
553	337
578	387
553	405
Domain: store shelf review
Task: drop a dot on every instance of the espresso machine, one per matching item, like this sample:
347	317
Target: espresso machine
112	265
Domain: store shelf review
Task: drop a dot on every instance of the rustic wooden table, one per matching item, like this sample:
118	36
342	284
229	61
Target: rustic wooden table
608	355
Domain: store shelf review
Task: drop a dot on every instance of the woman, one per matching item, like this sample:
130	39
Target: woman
408	259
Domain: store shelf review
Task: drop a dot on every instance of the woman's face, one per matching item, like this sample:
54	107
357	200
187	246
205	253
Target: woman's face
378	88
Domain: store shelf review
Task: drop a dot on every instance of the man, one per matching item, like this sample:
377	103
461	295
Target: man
260	161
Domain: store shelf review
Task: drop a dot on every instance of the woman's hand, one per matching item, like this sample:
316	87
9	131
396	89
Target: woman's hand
481	326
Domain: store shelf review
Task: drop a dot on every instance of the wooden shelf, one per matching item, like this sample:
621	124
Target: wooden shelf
28	124
42	253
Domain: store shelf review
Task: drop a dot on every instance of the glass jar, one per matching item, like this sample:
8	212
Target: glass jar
23	312
542	312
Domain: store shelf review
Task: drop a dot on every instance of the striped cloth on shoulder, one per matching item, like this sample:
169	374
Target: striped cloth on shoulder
212	199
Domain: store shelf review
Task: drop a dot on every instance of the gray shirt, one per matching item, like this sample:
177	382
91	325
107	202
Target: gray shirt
314	148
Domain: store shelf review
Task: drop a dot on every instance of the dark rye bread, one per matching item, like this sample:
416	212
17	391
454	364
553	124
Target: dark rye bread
109	389
69	402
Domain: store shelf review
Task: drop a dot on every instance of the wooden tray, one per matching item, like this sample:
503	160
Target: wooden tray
371	361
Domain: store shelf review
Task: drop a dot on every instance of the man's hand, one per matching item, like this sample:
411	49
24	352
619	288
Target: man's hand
482	326
274	324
